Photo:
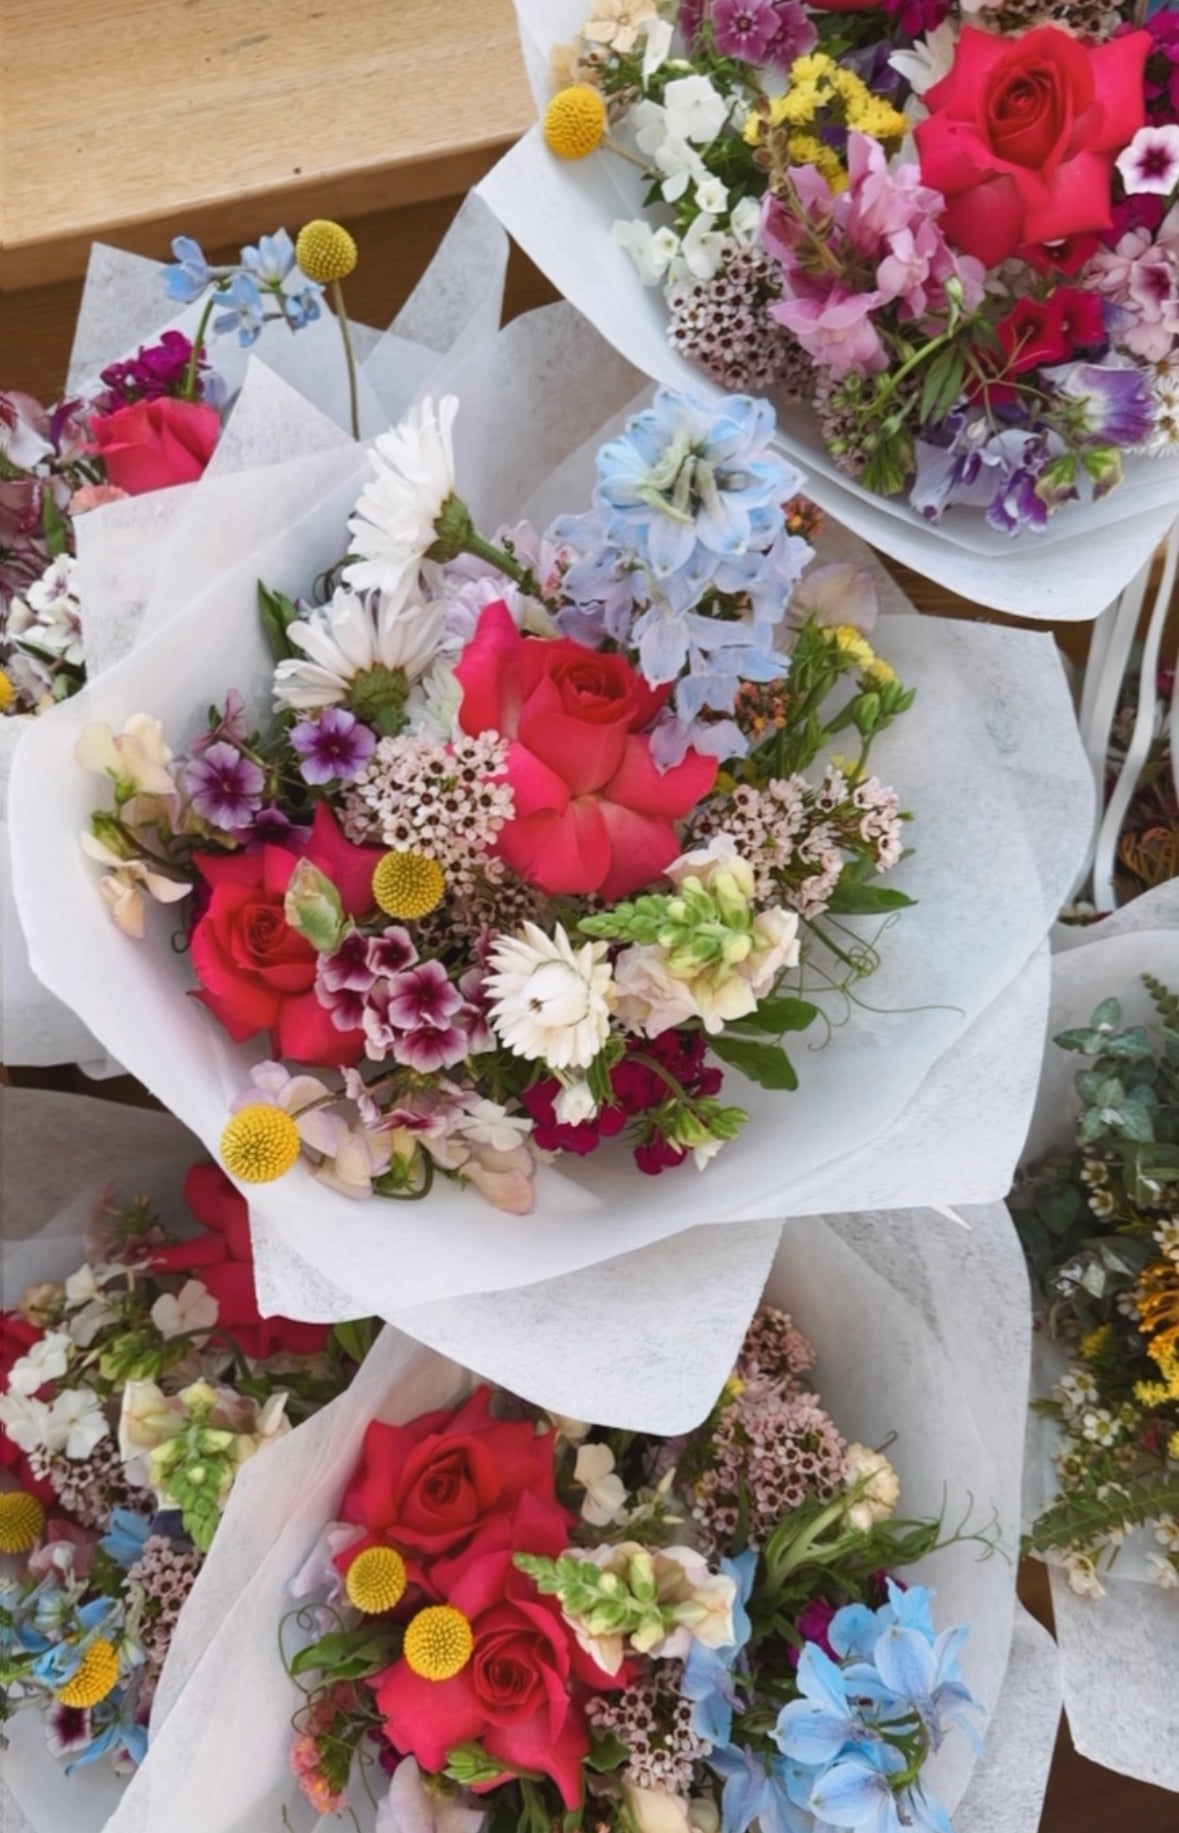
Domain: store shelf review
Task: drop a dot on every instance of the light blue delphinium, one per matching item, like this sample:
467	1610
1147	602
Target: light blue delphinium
828	1719
301	305
924	1680
708	1672
124	1539
270	259
687	485
61	1661
753	1793
853	1631
187	279
858	1792
243	310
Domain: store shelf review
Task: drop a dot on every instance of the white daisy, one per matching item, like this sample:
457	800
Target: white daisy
552	1000
394	526
350	639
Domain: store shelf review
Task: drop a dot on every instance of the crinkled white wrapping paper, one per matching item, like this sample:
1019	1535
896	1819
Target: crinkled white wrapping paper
921	1328
1119	1653
988	759
562	214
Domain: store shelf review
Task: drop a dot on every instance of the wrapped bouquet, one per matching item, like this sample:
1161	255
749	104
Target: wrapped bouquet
518	1617
1095	1210
137	1377
556	1618
989	738
931	232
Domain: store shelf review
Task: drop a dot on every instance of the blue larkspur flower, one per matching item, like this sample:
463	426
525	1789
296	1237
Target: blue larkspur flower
708	1672
270	259
125	1537
61	1661
243	310
857	1792
187	279
752	1793
687	485
828	1719
301	304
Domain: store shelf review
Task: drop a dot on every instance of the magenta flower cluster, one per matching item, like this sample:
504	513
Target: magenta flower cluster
845	257
155	370
409	1009
767	32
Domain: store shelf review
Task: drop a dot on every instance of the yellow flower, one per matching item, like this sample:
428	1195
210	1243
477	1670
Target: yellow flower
808	149
853	644
97	1675
21	1520
259	1144
7	692
325	251
872	115
408	885
1095	1344
575	121
811	68
438	1643
376	1580
879	673
797	108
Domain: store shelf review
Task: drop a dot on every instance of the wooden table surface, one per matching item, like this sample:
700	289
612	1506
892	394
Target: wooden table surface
132	121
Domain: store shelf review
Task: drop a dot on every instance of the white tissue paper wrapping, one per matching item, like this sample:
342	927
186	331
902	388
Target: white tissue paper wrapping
920	1327
60	1156
1116	1652
562	213
134	555
988	759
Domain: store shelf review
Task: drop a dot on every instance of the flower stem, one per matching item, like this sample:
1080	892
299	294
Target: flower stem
188	391
349	355
496	557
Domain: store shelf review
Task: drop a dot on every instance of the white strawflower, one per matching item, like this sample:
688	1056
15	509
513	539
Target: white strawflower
394	526
552	1000
881	1494
352	638
575	1102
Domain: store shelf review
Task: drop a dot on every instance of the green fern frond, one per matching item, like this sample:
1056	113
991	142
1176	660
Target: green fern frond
1083	1521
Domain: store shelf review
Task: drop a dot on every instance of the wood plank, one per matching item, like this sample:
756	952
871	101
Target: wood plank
134	120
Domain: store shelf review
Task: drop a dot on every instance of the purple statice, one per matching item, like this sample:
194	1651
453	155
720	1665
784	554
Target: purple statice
155	370
333	748
225	787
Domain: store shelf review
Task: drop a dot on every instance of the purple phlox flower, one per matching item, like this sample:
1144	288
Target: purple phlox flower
334	747
232	726
344	980
67	1730
348	967
271	826
1151	161
795	36
744	29
392	951
224	787
422	995
25	431
1117	399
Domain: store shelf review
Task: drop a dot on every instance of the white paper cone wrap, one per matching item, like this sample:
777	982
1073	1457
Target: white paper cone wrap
562	213
921	1328
1119	1653
988	759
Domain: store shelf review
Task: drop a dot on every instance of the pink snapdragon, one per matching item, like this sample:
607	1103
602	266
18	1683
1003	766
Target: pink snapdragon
845	257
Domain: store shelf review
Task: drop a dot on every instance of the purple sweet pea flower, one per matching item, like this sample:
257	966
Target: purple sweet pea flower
225	788
1116	397
334	747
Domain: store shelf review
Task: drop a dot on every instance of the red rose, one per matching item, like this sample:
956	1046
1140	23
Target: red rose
1022	135
256	972
592	811
17	1337
522	1692
155	443
428	1486
223	1261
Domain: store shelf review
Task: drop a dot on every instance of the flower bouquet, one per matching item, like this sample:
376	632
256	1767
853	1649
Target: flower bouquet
490	1611
1095	1209
137	1377
939	244
95	493
321	1254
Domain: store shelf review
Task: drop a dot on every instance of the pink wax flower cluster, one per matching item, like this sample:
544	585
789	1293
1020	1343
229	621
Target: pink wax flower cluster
847	257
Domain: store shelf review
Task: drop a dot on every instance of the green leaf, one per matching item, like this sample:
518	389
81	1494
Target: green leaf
346	1654
606	1752
54	526
851	899
1107	1014
356	1336
765	1064
775	1016
312	906
277	614
1085	1042
1133	1121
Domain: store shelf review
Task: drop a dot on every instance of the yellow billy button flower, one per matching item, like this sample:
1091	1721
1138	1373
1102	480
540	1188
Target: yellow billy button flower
575	121
21	1520
259	1144
97	1675
438	1643
408	885
325	251
7	692
376	1580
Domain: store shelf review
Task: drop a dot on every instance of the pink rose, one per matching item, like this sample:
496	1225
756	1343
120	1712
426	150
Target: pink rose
155	443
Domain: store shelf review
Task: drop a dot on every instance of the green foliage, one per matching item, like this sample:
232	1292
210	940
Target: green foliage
349	1654
1082	1520
277	614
